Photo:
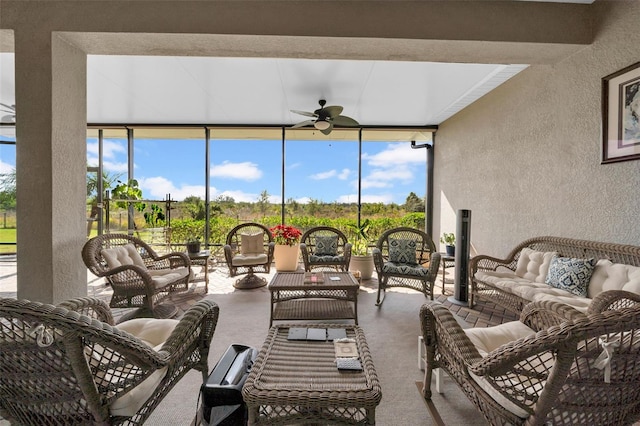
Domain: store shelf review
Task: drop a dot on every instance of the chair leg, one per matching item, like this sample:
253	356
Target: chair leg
381	291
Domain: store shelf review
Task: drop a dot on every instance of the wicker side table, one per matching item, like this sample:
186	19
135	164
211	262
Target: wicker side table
297	381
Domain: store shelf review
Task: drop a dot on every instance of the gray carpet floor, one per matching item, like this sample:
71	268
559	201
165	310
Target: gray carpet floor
391	330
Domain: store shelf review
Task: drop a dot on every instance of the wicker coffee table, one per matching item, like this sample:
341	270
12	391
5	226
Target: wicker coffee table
297	381
293	299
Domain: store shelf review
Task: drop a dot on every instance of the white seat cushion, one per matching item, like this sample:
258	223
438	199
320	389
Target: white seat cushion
163	277
249	259
153	332
487	339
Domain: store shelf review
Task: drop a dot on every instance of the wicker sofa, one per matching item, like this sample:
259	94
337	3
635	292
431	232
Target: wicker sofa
533	272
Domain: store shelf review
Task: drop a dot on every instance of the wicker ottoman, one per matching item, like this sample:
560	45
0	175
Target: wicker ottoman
297	381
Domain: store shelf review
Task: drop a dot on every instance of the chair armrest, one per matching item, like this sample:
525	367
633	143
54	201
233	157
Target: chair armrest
441	330
544	314
434	264
228	253
270	249
347	253
194	331
378	261
304	251
505	358
489	263
91	307
171	260
612	300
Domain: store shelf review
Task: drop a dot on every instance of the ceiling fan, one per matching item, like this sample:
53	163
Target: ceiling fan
11	109
324	118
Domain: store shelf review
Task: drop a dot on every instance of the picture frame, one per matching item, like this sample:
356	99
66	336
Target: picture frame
621	115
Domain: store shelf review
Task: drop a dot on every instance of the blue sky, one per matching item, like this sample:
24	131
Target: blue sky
321	170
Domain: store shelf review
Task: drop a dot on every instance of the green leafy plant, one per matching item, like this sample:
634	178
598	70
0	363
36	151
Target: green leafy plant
360	238
448	239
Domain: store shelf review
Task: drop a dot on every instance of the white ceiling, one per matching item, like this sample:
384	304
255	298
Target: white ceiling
196	90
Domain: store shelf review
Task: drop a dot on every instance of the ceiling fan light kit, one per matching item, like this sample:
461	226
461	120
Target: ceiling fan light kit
324	118
322	125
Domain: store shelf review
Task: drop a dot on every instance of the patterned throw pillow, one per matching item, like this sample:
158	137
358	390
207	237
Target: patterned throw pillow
326	245
570	274
402	251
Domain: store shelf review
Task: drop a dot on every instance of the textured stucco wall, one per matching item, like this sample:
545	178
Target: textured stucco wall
526	157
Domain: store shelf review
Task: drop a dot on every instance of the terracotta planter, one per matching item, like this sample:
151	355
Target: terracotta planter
286	257
364	264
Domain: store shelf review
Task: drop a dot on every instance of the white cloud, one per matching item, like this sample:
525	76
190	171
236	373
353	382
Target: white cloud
380	198
396	154
324	175
244	171
370	183
366	198
238	196
156	188
344	174
6	167
110	151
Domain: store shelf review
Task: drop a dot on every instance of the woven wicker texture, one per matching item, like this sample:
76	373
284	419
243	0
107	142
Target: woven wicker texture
298	382
292	299
551	375
64	365
133	286
566	247
342	257
233	247
426	257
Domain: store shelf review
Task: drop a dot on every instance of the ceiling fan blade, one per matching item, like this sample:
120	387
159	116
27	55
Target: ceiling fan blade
303	124
305	113
328	129
332	111
11	107
343	120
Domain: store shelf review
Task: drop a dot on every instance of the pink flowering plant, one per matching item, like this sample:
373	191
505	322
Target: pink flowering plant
286	235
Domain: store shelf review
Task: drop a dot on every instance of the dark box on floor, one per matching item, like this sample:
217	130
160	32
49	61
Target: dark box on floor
222	403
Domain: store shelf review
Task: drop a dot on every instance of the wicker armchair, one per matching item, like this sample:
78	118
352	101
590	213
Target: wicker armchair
69	364
249	249
138	276
555	365
325	247
406	257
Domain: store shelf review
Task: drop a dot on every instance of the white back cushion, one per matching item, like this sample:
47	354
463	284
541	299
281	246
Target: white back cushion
613	276
122	255
252	243
533	265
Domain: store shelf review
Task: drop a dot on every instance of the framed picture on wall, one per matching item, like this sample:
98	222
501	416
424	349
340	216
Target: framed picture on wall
621	115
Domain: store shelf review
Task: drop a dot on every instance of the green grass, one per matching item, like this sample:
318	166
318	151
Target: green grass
7	236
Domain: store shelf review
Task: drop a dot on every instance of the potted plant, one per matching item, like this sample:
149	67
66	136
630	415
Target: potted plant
449	240
193	244
287	247
361	257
